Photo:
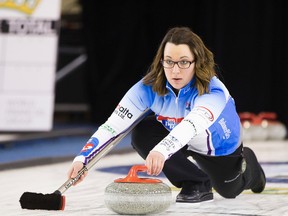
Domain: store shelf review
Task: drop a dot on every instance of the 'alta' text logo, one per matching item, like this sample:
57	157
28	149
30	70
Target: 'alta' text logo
122	112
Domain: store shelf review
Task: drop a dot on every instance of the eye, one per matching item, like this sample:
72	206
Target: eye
184	62
169	62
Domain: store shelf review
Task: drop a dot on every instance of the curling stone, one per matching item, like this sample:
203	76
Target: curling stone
276	129
247	127
137	196
259	131
254	128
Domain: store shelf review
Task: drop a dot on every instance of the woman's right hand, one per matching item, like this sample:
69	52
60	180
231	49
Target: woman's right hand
73	171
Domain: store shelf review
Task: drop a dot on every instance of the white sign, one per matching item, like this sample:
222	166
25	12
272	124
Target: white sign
28	53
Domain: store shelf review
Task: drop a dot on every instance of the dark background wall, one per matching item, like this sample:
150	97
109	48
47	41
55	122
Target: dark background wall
247	37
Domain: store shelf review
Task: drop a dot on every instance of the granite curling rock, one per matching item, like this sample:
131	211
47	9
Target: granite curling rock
137	196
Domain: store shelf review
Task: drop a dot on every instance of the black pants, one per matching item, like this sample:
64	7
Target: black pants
223	172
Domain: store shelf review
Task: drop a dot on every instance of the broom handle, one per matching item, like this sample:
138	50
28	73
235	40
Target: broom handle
107	147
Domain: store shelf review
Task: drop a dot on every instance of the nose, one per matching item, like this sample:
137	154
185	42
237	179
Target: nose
175	69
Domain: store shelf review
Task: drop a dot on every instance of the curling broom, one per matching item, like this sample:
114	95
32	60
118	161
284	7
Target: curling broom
56	200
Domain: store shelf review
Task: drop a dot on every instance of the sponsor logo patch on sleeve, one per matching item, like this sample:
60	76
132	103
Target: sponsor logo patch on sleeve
204	112
123	112
89	147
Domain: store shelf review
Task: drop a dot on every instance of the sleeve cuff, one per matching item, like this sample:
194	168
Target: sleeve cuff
161	149
168	146
79	158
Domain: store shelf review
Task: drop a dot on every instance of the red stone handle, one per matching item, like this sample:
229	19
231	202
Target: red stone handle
247	116
268	115
257	119
133	178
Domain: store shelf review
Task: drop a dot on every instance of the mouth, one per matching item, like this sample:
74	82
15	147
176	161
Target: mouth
176	79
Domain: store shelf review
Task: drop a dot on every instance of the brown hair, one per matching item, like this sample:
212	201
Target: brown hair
204	61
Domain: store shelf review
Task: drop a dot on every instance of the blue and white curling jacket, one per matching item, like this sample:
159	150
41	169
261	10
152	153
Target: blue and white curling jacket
209	124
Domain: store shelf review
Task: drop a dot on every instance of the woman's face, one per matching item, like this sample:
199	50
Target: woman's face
175	56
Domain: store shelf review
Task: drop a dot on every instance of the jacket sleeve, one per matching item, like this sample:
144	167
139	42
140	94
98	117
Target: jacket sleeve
130	107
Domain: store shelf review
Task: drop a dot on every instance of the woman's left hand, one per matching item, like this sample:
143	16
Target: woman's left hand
154	163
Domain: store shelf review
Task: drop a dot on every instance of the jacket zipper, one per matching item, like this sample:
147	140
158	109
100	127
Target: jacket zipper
176	102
